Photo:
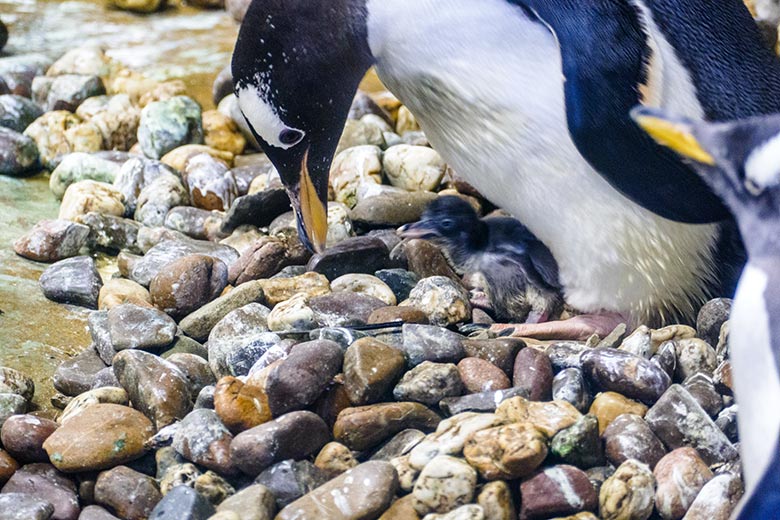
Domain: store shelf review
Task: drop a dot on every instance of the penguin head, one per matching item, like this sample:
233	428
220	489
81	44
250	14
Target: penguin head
449	221
739	160
296	67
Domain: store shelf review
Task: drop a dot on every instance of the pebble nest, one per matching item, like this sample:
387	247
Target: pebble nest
234	376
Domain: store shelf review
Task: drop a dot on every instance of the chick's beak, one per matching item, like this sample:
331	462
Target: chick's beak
416	230
311	209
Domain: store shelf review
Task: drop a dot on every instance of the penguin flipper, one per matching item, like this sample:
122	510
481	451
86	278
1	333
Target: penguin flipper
763	503
604	54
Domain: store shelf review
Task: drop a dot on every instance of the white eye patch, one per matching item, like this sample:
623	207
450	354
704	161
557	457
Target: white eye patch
762	168
265	121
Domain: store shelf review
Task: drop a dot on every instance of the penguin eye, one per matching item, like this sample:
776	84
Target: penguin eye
753	187
447	224
290	136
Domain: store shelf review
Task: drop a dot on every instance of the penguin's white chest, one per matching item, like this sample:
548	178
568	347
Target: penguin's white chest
486	85
757	386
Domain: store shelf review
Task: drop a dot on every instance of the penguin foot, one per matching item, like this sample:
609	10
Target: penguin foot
577	328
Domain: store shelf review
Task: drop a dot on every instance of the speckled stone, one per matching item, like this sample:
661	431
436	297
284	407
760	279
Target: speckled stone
569	385
254	502
711	317
364	427
431	343
628	374
506	452
44	482
182	503
479	375
450	437
24	506
199	324
134	327
579	444
566	354
187	284
549	417
556	491
204	440
443	485
630	437
76	375
693	356
334	459
717	499
628	493
607	406
132	495
429	383
52	240
679	475
23	437
73	280
445	301
14	382
496	501
370	369
702	388
533	372
289	480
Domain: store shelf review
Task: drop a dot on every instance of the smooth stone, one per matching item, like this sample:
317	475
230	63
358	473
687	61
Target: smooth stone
199	324
444	484
135	175
557	491
17	112
168	124
566	354
66	91
101	436
445	301
278	290
83	197
496	501
116	117
18	153
364	427
77	375
11	404
479	375
549	417
727	422
362	492
334	459
8	466
702	388
59	133
14	382
413	168
203	439
354	255
117	291
254	502
108	394
158	198
220	131
210	183
679	475
268	256
156	387
506	452
259	209
481	402
197	223
431	343
182	503
80	166
666	358
187	284
717	499
365	284
214	487
343	309
449	438
133	327
370	370
44	482
292	315
569	385
400	444
23	437
390	208
179	157
694	356
401	509
580	444
184	345
630	437
289	480
24	506
240	406
171	472
501	352
295	435
400	281
397	314
429	383
242	333
467	512
608	406
425	259
96	513
111	232
628	493
130	494
73	280
205	398
52	240
711	317
533	372
625	373
678	420
352	168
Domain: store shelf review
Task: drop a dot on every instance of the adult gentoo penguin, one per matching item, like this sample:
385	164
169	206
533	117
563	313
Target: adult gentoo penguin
528	100
741	162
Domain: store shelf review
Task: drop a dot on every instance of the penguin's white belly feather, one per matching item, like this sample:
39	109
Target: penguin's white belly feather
756	381
485	84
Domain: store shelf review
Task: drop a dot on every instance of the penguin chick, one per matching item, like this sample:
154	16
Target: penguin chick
740	161
519	272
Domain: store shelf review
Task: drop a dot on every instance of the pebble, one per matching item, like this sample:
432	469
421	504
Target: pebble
182	503
400	281
295	435
566	354
496	501
136	174
354	167
389	208
134	327
364	427
101	436
710	319
203	439
445	301
727	422
116	118
259	208
196	223
370	370
14	382
717	499
107	394
111	232
629	437
59	133
242	335
449	438
579	444
569	385
8	467
118	291
289	480
431	343
44	482
130	494
666	358
268	256
556	491
66	91
628	374
157	199
400	444
179	157
24	506
23	437
702	388
413	168
211	184
18	153
156	387
694	356
222	133
425	259
396	314
679	475
365	284
188	283
429	383
168	124
401	509
52	240
506	452
549	417
292	314
479	375
83	197
343	309
444	484
17	112
354	255
254	502
533	373
334	459
467	512
79	166
481	402
362	492
678	420
608	406
11	404
628	493
73	280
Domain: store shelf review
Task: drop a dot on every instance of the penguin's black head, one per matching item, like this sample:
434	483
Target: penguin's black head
449	221
296	67
739	160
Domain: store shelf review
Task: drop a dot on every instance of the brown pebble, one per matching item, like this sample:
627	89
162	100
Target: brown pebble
479	375
533	372
609	405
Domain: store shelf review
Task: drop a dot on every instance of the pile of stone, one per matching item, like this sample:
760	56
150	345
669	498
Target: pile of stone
233	375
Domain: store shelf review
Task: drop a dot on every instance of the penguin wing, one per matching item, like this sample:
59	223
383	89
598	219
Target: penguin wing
604	54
